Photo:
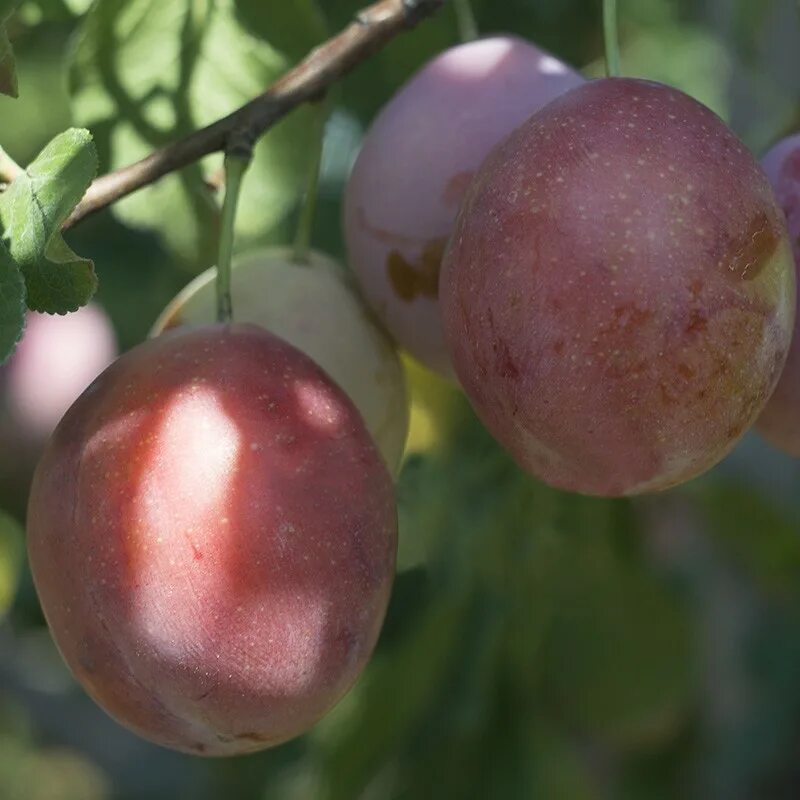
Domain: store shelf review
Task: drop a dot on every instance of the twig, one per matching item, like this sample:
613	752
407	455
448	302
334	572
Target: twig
373	27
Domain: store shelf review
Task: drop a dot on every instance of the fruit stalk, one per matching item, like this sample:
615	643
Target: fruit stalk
235	166
465	17
611	35
302	241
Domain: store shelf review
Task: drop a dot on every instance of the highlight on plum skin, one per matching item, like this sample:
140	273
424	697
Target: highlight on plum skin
212	534
619	291
314	306
779	423
417	161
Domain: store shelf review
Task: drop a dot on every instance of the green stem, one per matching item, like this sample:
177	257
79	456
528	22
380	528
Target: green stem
467	27
9	169
305	224
611	33
235	167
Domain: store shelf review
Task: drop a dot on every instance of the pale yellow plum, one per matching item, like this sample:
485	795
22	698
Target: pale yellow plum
619	291
212	534
315	306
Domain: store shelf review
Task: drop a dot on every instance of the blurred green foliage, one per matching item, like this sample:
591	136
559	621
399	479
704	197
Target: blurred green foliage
538	644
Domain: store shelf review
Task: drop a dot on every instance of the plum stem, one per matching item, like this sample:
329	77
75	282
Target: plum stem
611	34
236	164
305	224
465	17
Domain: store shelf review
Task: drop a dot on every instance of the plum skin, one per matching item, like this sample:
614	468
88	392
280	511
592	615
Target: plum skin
212	534
316	307
618	294
414	167
779	422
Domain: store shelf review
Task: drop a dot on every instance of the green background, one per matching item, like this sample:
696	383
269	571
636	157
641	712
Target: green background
538	644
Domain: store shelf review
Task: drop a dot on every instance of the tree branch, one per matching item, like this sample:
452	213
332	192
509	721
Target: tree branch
372	28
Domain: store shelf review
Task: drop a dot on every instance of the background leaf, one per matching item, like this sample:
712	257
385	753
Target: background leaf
12	550
32	210
8	68
145	72
12	304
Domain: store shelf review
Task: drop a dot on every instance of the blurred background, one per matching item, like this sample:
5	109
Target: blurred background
538	644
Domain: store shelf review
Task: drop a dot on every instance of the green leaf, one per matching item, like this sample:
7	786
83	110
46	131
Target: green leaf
145	72
7	8
618	660
11	558
12	304
756	532
8	67
32	210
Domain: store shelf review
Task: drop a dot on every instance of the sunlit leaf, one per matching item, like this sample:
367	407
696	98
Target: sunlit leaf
32	210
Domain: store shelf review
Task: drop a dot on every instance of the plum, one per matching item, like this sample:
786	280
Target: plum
415	164
212	533
315	306
779	422
619	291
56	360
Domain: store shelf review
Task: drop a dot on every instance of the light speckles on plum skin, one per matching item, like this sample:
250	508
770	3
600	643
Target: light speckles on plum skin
252	642
616	295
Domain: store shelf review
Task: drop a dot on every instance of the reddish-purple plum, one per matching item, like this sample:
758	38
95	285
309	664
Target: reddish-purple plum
415	165
779	423
619	291
212	533
315	306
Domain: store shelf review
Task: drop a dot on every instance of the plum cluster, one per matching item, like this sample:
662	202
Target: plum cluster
602	266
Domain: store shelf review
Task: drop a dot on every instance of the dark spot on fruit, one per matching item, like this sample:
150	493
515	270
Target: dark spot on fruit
628	317
506	367
456	187
558	347
421	279
685	371
199	746
698	322
753	249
